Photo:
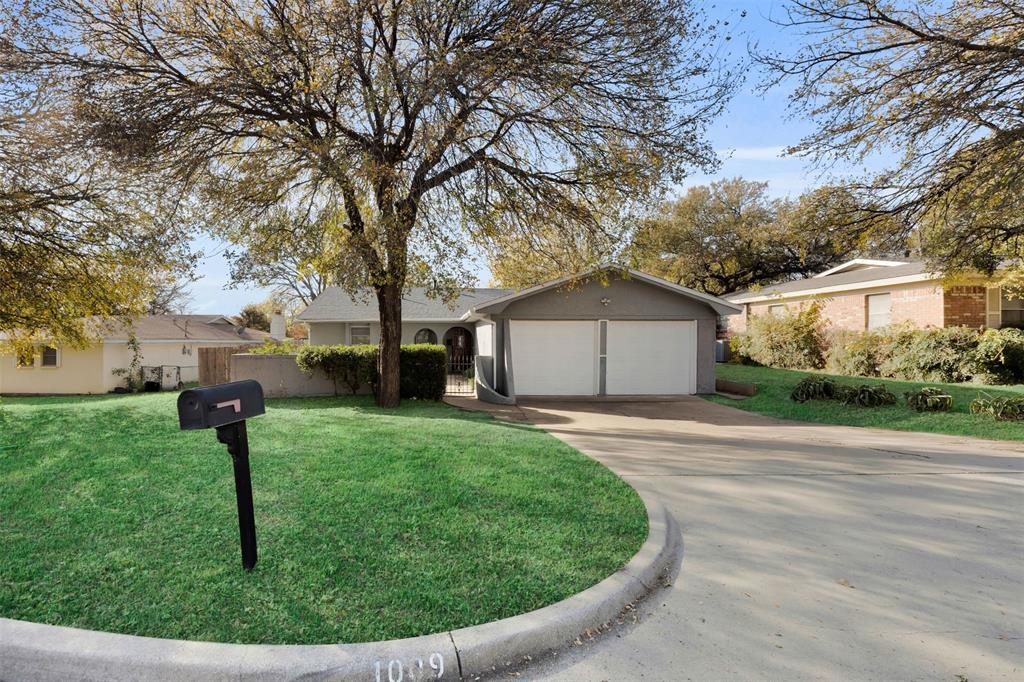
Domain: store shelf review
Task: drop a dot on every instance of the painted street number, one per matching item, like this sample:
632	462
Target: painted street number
395	670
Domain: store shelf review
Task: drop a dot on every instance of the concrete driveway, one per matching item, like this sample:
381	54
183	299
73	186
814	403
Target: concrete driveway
811	552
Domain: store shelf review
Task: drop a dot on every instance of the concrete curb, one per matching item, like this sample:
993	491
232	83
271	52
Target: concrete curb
31	652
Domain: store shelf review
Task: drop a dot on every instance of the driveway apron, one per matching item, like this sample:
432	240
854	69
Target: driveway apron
811	552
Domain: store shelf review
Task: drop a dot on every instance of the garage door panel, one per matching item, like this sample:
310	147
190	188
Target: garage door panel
554	358
652	357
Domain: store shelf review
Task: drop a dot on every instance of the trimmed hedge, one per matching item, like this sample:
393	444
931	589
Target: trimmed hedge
422	368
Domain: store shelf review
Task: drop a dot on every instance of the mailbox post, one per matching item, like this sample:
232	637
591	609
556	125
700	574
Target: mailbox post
225	407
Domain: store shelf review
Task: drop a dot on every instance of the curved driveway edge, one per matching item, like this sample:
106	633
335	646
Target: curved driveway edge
31	652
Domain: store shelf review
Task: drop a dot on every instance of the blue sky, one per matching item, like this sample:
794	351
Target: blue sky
749	138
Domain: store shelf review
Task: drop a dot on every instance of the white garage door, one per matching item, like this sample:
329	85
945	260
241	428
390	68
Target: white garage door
554	358
651	358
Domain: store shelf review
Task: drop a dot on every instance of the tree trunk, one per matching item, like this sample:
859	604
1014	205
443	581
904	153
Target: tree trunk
389	302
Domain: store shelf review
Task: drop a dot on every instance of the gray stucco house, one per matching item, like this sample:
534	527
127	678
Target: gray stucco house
606	332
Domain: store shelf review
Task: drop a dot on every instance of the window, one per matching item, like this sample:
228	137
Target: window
879	306
1012	312
425	336
777	310
26	358
50	357
360	335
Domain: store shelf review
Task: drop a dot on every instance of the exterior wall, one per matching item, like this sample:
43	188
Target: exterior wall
280	376
337	333
183	354
964	305
627	300
326	333
922	305
78	371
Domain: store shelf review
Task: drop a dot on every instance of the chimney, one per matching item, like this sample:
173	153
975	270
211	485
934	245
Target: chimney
277	327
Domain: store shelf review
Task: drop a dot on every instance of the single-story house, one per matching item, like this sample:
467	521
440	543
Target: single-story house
164	340
868	294
605	332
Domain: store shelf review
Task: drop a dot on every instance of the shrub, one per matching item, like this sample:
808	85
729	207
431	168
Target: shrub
824	388
272	347
354	366
999	357
943	354
792	341
929	399
813	388
1003	409
865	396
855	353
422	368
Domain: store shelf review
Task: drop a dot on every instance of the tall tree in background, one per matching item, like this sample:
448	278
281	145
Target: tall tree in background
419	119
942	82
254	316
78	237
731	235
170	296
295	253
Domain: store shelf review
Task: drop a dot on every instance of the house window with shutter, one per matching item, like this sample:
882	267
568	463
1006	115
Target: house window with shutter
879	307
49	357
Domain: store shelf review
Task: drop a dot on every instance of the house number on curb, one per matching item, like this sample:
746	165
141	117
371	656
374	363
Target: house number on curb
395	670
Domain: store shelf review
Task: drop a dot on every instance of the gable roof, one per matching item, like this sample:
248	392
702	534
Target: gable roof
720	306
860	278
176	328
337	305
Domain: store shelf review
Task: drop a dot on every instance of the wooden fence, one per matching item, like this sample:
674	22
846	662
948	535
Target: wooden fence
215	363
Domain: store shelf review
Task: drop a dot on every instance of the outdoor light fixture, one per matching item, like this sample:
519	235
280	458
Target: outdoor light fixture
225	407
605	301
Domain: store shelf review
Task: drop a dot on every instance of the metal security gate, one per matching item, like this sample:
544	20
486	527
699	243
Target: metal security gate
461	375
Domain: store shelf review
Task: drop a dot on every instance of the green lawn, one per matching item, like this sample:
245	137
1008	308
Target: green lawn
371	525
775	385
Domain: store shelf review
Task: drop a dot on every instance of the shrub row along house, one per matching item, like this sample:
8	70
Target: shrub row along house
608	331
871	294
170	341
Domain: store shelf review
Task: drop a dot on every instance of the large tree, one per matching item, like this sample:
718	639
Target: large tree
941	82
731	235
418	119
78	237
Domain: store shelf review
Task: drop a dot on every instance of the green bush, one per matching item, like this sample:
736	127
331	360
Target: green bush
865	396
999	357
929	399
353	366
813	388
1003	409
791	341
424	371
272	347
942	354
855	353
422	368
825	388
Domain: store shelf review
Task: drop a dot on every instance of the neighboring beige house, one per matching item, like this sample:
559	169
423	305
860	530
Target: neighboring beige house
868	294
164	340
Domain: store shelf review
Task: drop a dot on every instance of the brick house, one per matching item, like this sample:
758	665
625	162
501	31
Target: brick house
868	294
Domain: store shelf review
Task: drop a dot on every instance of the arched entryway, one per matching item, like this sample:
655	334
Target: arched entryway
461	352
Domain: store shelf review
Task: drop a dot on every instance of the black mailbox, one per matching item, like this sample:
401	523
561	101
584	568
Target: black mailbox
212	406
225	407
